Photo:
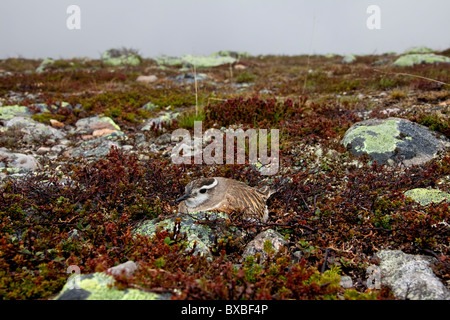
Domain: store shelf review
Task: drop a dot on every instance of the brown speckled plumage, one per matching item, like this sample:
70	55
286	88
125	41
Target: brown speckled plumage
225	195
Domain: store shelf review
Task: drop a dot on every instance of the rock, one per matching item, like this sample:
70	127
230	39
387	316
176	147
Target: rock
43	150
34	131
394	139
418	50
411	59
56	124
240	67
169	61
381	62
158	123
95	148
349	59
233	54
127	268
103	132
410	276
44	64
118	57
149	106
99	286
346	282
426	196
203	235
206	61
258	244
16	162
9	112
198	61
164	139
127	148
189	77
96	123
147	79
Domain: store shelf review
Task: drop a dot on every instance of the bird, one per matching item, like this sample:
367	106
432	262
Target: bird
225	195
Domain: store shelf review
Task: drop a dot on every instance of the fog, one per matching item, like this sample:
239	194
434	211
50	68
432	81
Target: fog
39	29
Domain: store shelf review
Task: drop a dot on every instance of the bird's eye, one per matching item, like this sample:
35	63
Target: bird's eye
202	190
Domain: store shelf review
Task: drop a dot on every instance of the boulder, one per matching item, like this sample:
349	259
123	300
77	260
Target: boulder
126	268
169	61
9	112
149	106
258	244
44	64
158	122
418	50
349	59
233	54
96	123
199	61
16	162
118	57
96	148
203	235
410	276
190	78
147	79
417	58
100	286
213	60
391	140
34	131
426	196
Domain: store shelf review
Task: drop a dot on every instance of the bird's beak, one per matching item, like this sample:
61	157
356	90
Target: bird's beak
185	196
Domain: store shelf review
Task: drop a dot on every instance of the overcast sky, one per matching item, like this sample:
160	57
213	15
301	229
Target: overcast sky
38	28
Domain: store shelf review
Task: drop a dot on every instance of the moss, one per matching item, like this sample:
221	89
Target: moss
47	116
187	120
245	77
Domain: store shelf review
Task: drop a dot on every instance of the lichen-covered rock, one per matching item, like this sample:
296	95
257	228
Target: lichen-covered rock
96	123
169	61
44	64
118	57
34	131
421	49
190	77
203	234
417	58
394	139
99	286
9	112
16	162
158	122
258	244
198	61
96	148
149	106
410	276
206	61
233	54
349	59
426	196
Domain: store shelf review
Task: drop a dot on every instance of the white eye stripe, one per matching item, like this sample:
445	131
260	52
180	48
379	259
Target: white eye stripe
212	185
